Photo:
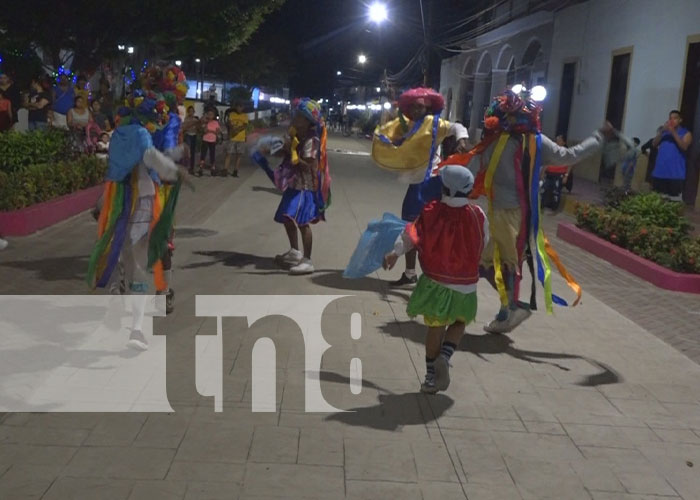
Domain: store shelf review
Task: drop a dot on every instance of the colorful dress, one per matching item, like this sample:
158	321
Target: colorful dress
302	201
450	236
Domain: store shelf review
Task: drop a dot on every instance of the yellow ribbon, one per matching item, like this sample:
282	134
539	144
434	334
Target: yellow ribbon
488	182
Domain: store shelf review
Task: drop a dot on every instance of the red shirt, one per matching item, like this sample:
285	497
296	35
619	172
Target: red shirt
552	169
449	241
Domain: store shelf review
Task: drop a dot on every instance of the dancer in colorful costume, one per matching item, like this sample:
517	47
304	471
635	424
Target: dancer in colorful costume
408	147
509	162
136	221
306	196
449	236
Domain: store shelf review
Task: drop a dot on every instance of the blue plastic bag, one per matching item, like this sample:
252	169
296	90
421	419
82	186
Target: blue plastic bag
377	240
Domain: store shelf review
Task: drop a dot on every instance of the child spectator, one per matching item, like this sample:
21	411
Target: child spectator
212	134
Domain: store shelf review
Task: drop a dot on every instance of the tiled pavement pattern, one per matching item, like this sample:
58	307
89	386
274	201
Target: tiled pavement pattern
586	404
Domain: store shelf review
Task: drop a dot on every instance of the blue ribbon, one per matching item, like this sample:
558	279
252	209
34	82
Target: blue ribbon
535	213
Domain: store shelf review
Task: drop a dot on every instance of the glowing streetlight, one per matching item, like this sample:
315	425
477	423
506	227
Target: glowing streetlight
538	93
379	89
362	58
198	60
338	73
387	106
378	13
178	63
130	50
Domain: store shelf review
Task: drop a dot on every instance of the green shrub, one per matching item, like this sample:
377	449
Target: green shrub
648	226
612	197
45	181
21	149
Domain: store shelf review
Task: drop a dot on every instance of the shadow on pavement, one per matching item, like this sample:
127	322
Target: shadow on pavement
194	232
479	345
333	278
233	259
394	411
54	268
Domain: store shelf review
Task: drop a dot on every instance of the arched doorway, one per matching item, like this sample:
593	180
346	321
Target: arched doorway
533	66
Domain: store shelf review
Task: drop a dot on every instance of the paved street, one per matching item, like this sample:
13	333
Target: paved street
598	402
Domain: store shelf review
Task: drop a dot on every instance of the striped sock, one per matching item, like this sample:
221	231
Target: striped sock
447	350
429	368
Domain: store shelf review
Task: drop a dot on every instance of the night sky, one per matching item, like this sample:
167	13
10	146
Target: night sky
328	35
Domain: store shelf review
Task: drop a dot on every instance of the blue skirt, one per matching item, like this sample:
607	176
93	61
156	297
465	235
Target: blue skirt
418	195
299	206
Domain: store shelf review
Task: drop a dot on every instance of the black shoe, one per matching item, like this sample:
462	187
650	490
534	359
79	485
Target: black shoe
235	173
403	281
200	172
214	172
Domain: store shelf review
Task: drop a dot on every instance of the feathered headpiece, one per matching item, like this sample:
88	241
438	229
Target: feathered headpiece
158	91
513	112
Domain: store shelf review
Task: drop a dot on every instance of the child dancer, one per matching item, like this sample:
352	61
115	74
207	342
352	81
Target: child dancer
449	235
307	196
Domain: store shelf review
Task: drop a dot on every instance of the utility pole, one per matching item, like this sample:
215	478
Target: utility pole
427	41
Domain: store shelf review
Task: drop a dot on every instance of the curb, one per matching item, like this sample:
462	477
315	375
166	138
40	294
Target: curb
31	219
624	259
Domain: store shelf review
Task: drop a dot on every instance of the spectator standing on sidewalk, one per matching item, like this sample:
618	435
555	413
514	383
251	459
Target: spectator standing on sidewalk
190	128
5	113
236	146
81	89
8	86
39	104
670	168
629	160
100	117
63	101
212	134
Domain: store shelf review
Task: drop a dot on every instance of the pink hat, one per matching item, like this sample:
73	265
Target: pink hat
432	100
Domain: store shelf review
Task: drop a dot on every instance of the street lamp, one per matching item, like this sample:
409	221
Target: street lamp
198	60
362	58
130	50
338	73
378	13
178	63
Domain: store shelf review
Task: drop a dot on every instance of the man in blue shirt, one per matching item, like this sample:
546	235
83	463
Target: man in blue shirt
672	142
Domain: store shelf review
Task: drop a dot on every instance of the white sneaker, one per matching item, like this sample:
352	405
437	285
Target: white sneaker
290	258
137	341
304	267
517	316
3	244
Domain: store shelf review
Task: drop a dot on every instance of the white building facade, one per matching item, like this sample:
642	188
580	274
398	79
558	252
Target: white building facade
627	61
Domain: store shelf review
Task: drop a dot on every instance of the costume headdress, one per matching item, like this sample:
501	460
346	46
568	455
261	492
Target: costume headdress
511	112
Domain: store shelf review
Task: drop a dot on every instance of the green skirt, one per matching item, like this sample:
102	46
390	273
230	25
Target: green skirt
439	305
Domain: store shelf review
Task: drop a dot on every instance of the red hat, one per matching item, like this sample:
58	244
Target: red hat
433	101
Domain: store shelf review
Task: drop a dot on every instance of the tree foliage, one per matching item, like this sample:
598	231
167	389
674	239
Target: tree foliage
92	30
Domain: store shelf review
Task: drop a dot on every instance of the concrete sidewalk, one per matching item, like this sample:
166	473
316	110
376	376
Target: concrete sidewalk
585	404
